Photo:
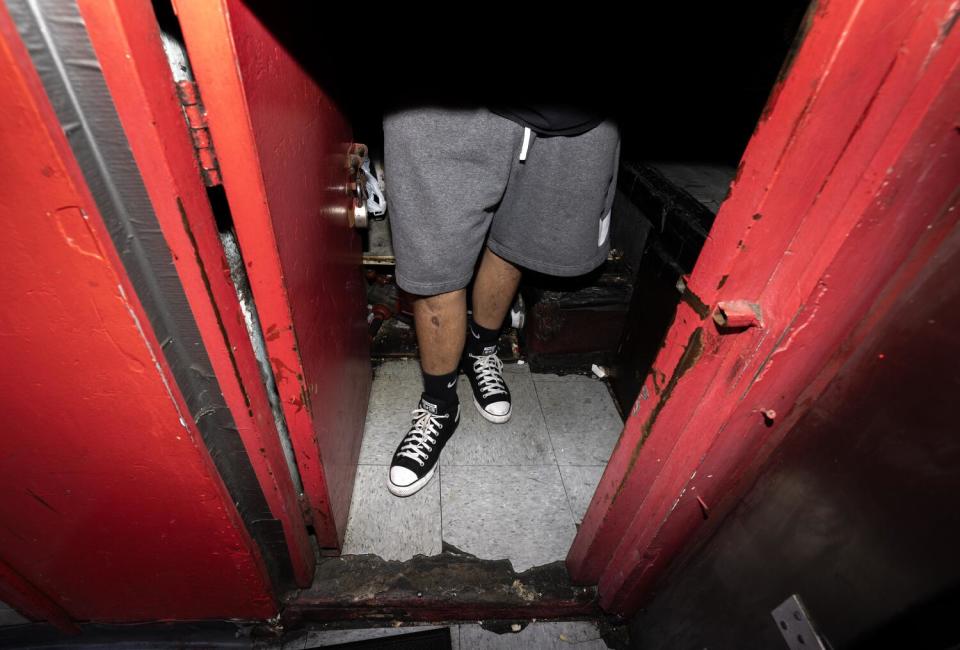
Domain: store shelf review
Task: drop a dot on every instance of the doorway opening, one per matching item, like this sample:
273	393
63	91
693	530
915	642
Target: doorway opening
577	349
687	94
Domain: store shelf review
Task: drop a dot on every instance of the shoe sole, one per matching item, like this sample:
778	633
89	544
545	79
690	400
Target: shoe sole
413	488
496	419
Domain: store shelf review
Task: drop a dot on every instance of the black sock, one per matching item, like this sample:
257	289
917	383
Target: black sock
480	340
442	387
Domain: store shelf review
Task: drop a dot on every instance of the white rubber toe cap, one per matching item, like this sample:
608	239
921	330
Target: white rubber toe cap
497	412
498	408
402	477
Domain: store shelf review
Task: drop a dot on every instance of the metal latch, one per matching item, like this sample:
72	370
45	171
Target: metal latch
199	132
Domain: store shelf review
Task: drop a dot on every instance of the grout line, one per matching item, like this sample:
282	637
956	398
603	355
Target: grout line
301	643
500	465
576	520
573	517
440	494
452	465
540	465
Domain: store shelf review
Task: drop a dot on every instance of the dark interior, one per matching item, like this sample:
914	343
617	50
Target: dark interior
687	86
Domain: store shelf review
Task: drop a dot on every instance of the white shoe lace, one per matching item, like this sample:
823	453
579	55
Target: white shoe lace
421	438
489	371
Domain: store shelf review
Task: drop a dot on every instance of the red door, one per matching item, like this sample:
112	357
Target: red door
848	184
124	495
141	457
282	145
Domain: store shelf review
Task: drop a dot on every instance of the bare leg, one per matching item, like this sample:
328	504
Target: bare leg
493	291
441	324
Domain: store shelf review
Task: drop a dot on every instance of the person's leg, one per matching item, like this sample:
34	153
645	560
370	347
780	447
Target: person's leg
447	169
441	322
441	325
493	290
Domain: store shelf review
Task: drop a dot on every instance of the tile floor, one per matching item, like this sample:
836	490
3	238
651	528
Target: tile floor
513	490
9	616
541	636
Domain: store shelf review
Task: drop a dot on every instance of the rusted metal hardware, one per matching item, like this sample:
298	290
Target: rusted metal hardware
357	185
769	416
358	216
196	117
356	152
737	314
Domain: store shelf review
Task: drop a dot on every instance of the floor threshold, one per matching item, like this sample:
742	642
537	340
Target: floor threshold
450	586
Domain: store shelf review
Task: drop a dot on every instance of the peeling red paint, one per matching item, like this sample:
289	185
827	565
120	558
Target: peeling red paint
857	101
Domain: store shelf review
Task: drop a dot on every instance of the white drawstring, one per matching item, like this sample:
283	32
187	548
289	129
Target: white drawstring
526	143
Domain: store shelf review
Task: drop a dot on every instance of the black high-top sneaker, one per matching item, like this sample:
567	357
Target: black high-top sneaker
490	393
416	457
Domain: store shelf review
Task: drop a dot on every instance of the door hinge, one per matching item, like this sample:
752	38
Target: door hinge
196	117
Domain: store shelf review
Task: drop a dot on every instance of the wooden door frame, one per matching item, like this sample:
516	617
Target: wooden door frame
848	182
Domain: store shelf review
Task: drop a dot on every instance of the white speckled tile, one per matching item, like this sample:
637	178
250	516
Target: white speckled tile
522	440
581	418
10	616
517	513
542	636
395	392
580	482
392	527
324	638
398	368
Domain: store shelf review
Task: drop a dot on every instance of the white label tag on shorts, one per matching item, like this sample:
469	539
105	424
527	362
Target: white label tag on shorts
604	229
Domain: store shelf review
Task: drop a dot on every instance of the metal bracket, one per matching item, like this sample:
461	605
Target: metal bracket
796	626
737	314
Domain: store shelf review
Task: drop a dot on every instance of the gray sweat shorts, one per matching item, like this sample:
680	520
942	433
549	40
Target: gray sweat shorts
455	176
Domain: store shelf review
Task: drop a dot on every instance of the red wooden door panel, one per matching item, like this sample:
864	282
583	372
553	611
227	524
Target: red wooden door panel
126	39
111	507
850	172
282	146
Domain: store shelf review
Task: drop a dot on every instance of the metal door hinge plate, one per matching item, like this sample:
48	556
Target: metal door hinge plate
196	117
795	625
